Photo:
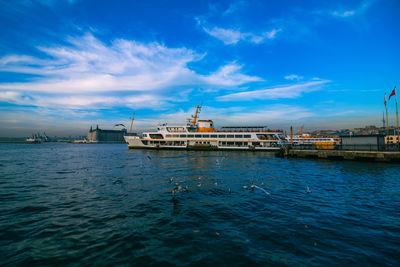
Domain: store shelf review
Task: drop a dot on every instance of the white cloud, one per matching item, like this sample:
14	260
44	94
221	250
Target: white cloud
343	14
233	36
233	7
25	121
264	115
228	36
10	96
78	102
230	75
49	3
349	13
293	77
272	34
87	73
287	91
268	114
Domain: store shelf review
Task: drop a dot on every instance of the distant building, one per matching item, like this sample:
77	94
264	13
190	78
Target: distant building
106	136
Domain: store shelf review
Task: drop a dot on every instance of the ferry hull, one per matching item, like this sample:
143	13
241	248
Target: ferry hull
136	143
206	149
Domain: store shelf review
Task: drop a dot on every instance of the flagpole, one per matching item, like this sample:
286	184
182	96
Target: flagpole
397	118
130	131
387	121
397	112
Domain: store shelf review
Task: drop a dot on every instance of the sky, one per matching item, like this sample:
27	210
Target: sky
68	64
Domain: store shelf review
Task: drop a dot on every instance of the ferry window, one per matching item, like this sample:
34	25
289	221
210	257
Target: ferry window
247	136
206	136
230	143
239	136
221	136
197	135
245	143
230	136
182	135
190	136
175	135
169	136
213	136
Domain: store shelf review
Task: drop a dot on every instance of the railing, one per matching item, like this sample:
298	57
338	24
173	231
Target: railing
371	147
249	131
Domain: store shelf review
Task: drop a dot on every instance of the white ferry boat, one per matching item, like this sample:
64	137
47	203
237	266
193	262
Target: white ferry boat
201	135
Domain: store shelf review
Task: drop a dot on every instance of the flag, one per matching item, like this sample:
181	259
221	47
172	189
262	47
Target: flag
384	101
393	92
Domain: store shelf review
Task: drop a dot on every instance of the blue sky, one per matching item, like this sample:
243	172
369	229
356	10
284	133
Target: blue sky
66	65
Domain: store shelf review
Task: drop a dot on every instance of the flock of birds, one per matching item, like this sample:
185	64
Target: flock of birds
180	188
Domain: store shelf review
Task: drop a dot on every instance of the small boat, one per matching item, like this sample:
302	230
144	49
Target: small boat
34	139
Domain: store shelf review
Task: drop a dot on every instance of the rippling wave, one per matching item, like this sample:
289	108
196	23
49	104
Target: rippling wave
77	204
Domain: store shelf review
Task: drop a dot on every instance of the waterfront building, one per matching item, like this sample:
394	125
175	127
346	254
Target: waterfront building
106	136
373	142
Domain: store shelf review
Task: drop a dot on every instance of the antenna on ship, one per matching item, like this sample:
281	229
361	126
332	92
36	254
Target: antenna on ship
130	131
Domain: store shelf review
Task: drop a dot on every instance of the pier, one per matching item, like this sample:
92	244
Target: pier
378	156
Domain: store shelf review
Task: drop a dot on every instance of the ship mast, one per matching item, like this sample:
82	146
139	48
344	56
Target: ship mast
198	109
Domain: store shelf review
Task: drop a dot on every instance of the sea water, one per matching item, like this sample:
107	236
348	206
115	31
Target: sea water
82	204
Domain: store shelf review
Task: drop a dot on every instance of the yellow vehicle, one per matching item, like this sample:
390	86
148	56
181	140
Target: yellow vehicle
325	145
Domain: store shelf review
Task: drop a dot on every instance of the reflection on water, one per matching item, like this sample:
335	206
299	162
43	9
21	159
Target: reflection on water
105	204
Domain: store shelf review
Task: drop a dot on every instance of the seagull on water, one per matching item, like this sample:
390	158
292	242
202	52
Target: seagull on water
252	185
308	190
176	189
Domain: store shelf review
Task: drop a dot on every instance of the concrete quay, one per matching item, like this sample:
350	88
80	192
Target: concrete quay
378	156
